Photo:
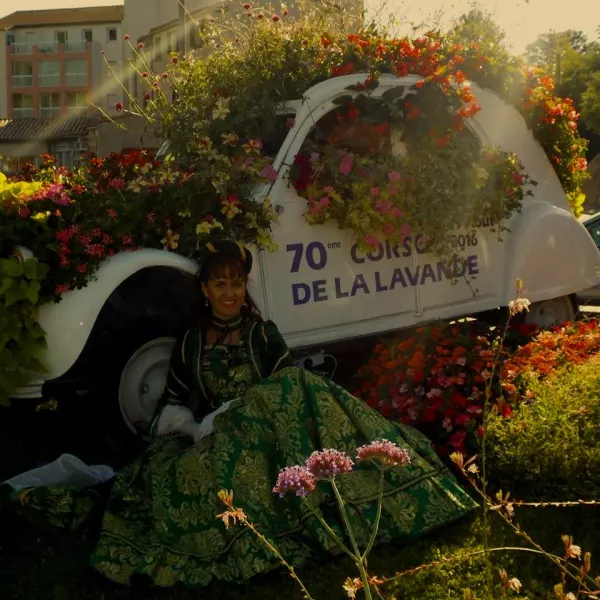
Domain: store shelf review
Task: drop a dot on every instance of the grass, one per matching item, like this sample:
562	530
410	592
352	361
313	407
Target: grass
547	449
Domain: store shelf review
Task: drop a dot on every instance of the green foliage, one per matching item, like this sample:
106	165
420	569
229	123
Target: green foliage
550	448
21	339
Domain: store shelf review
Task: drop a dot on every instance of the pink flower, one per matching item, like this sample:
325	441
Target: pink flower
295	479
327	463
61	288
117	183
385	451
77	189
269	173
383	206
102	52
388	229
165	75
119	106
112	213
126	37
81	268
127	240
346	164
145	74
375	191
371	240
150	217
275	18
62	200
24	213
396	213
141	45
405	229
394	176
96	250
174	60
314	158
290	122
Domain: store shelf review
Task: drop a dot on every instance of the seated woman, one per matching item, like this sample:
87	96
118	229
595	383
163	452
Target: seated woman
235	412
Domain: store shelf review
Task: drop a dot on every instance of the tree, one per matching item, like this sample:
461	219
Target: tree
551	50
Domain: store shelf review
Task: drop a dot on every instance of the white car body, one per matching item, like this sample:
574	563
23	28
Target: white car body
319	290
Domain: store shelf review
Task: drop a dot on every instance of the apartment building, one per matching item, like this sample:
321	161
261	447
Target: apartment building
51	61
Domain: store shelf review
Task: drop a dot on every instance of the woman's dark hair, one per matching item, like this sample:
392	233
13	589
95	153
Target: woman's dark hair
227	261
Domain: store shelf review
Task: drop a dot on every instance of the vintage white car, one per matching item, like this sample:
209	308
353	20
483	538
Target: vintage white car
114	337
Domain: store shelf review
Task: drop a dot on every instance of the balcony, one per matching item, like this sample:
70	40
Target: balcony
48	47
22	113
21	48
75	46
50	80
19	81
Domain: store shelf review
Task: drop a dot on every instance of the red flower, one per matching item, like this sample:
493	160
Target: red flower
126	37
119	106
304	169
141	45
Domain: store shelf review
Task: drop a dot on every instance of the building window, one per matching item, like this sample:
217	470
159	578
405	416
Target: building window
111	34
49	105
22	106
88	35
61	37
157	48
22	74
76	72
48	73
77	102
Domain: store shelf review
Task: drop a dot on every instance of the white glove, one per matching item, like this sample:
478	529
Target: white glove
206	426
173	419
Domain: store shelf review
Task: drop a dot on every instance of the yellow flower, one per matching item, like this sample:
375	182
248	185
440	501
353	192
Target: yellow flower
221	109
266	241
205	227
170	241
186	214
230	209
42	217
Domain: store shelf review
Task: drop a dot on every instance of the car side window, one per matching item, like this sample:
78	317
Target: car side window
594	230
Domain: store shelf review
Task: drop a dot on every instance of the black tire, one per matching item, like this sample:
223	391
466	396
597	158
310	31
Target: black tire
115	350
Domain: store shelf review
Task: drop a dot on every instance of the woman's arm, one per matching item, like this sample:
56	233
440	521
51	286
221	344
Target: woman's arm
172	413
275	353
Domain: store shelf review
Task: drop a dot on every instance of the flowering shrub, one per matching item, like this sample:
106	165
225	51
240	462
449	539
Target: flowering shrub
434	380
382	171
547	354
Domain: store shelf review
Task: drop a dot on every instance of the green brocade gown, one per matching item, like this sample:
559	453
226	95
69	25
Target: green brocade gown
161	519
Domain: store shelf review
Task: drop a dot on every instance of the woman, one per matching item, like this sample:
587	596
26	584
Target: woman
234	413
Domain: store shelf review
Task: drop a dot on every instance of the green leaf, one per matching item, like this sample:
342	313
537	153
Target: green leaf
7	283
30	268
342	100
11	266
394	93
12	296
33	292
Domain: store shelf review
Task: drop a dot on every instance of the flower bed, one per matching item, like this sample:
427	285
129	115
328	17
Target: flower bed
436	379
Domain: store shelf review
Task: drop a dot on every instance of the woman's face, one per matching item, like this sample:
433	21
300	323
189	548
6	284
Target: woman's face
225	294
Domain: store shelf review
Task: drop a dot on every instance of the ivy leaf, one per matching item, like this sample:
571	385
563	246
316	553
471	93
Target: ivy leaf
11	266
394	94
7	283
30	268
12	296
342	100
33	292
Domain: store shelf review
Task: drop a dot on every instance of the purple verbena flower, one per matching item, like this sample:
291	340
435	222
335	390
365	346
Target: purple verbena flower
327	463
296	479
385	451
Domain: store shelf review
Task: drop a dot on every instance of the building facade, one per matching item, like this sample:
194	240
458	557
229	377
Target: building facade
58	63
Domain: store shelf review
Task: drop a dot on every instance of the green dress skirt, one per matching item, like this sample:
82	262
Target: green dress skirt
161	520
162	517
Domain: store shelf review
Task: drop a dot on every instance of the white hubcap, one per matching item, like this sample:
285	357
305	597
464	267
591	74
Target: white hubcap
143	382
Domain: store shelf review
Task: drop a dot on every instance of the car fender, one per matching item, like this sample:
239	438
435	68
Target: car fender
551	252
69	323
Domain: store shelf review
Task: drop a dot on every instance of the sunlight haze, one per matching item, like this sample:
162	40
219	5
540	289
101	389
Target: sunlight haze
522	20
